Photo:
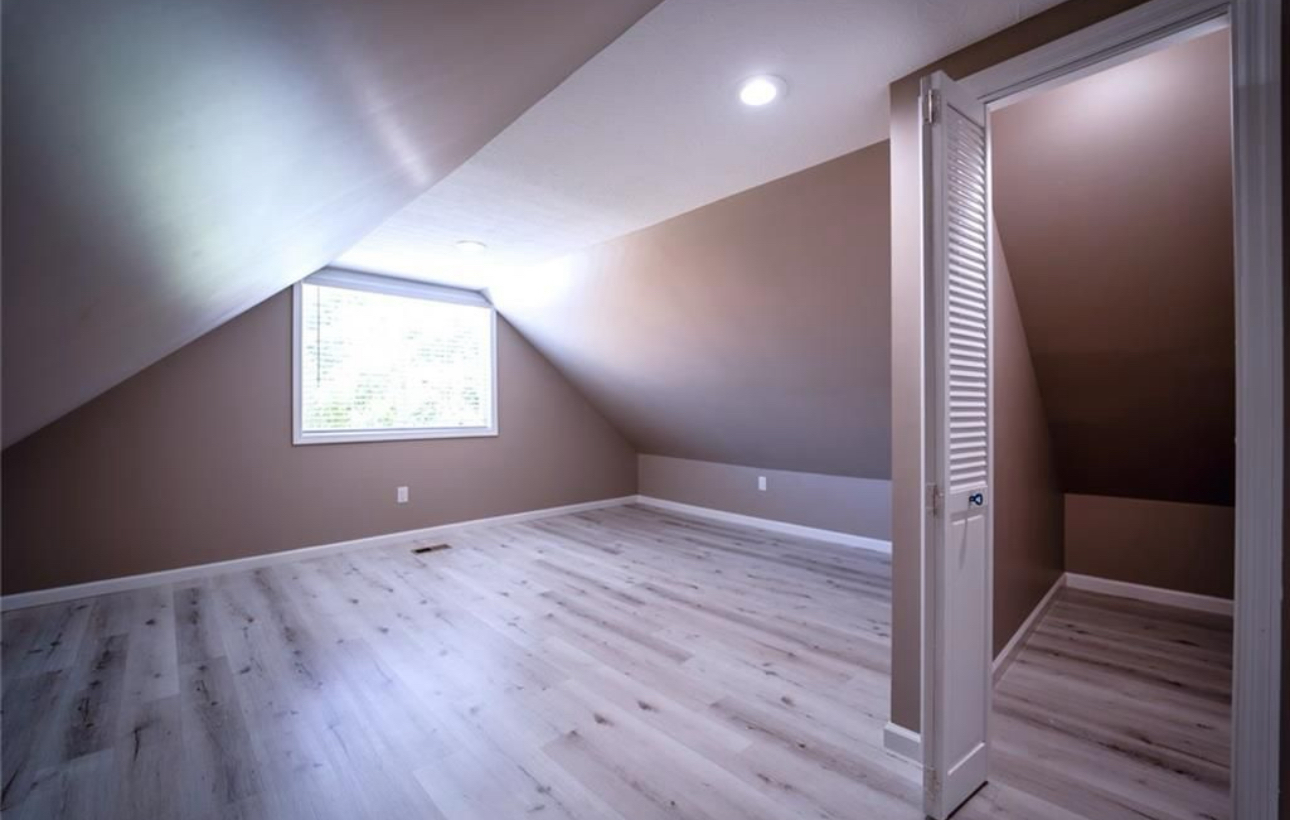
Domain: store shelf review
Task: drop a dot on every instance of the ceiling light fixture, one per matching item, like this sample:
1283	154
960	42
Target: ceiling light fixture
470	247
761	90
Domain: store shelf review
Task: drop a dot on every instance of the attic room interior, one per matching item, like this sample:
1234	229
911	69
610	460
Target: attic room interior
643	409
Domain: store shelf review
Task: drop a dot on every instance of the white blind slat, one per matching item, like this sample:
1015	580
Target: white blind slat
382	361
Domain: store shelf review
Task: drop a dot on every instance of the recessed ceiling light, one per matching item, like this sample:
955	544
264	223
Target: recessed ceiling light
469	247
761	90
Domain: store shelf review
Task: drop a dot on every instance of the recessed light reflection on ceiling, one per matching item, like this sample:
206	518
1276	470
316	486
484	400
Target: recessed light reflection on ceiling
761	90
470	247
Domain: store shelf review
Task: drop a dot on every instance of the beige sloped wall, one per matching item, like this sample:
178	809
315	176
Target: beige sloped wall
752	331
191	462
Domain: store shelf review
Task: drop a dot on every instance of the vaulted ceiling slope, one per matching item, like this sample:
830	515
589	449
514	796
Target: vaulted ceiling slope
1113	199
755	330
652	127
167	165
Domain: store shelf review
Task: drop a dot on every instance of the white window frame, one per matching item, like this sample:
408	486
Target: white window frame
398	287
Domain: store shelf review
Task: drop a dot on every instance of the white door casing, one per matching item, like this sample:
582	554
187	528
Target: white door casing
957	564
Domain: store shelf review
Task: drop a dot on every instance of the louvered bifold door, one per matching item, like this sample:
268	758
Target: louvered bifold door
957	591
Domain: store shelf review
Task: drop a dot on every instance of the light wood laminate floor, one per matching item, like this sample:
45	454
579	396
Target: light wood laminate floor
1114	709
622	664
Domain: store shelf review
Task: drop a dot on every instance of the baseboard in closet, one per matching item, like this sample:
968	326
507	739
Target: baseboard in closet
1155	595
1018	639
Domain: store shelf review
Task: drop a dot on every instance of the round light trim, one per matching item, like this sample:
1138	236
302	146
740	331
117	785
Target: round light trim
471	247
761	90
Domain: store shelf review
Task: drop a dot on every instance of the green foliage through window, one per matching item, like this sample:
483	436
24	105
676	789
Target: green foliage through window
380	361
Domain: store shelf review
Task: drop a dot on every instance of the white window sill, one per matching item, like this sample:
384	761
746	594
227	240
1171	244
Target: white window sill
352	436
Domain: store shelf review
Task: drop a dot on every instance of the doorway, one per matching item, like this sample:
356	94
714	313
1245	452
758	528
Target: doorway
959	390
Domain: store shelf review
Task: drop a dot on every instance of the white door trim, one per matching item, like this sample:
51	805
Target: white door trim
1091	49
1260	408
1257	141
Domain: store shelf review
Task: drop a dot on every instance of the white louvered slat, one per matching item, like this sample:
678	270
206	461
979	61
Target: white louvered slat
967	308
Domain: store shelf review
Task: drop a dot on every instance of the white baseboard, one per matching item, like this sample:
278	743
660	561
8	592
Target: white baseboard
903	742
1105	586
845	539
39	597
908	744
1155	595
1010	650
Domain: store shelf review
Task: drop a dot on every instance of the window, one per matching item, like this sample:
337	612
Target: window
378	359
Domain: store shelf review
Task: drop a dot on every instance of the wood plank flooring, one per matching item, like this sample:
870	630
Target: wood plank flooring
1114	709
622	664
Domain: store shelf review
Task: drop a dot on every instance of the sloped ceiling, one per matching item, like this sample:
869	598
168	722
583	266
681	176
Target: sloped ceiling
1113	200
755	330
168	165
652	127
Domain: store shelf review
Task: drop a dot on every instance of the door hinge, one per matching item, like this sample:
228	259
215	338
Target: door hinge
931	104
934	499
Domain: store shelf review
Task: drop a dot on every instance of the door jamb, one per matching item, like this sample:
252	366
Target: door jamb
1256	146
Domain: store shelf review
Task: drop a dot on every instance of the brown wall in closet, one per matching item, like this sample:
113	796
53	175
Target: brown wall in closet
1119	240
191	462
1169	544
1027	494
1119	236
906	303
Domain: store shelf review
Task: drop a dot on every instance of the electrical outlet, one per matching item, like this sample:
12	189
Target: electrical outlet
403	495
761	483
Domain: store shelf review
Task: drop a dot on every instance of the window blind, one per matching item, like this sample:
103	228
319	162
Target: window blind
374	361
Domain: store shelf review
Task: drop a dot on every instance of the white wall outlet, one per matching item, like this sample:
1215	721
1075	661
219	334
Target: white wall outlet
761	483
403	495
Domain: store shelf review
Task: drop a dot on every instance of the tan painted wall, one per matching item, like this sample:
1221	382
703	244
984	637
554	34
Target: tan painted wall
859	506
1187	547
191	461
906	303
1119	235
1027	491
751	331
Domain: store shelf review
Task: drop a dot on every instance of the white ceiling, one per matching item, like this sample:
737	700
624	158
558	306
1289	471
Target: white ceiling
651	127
